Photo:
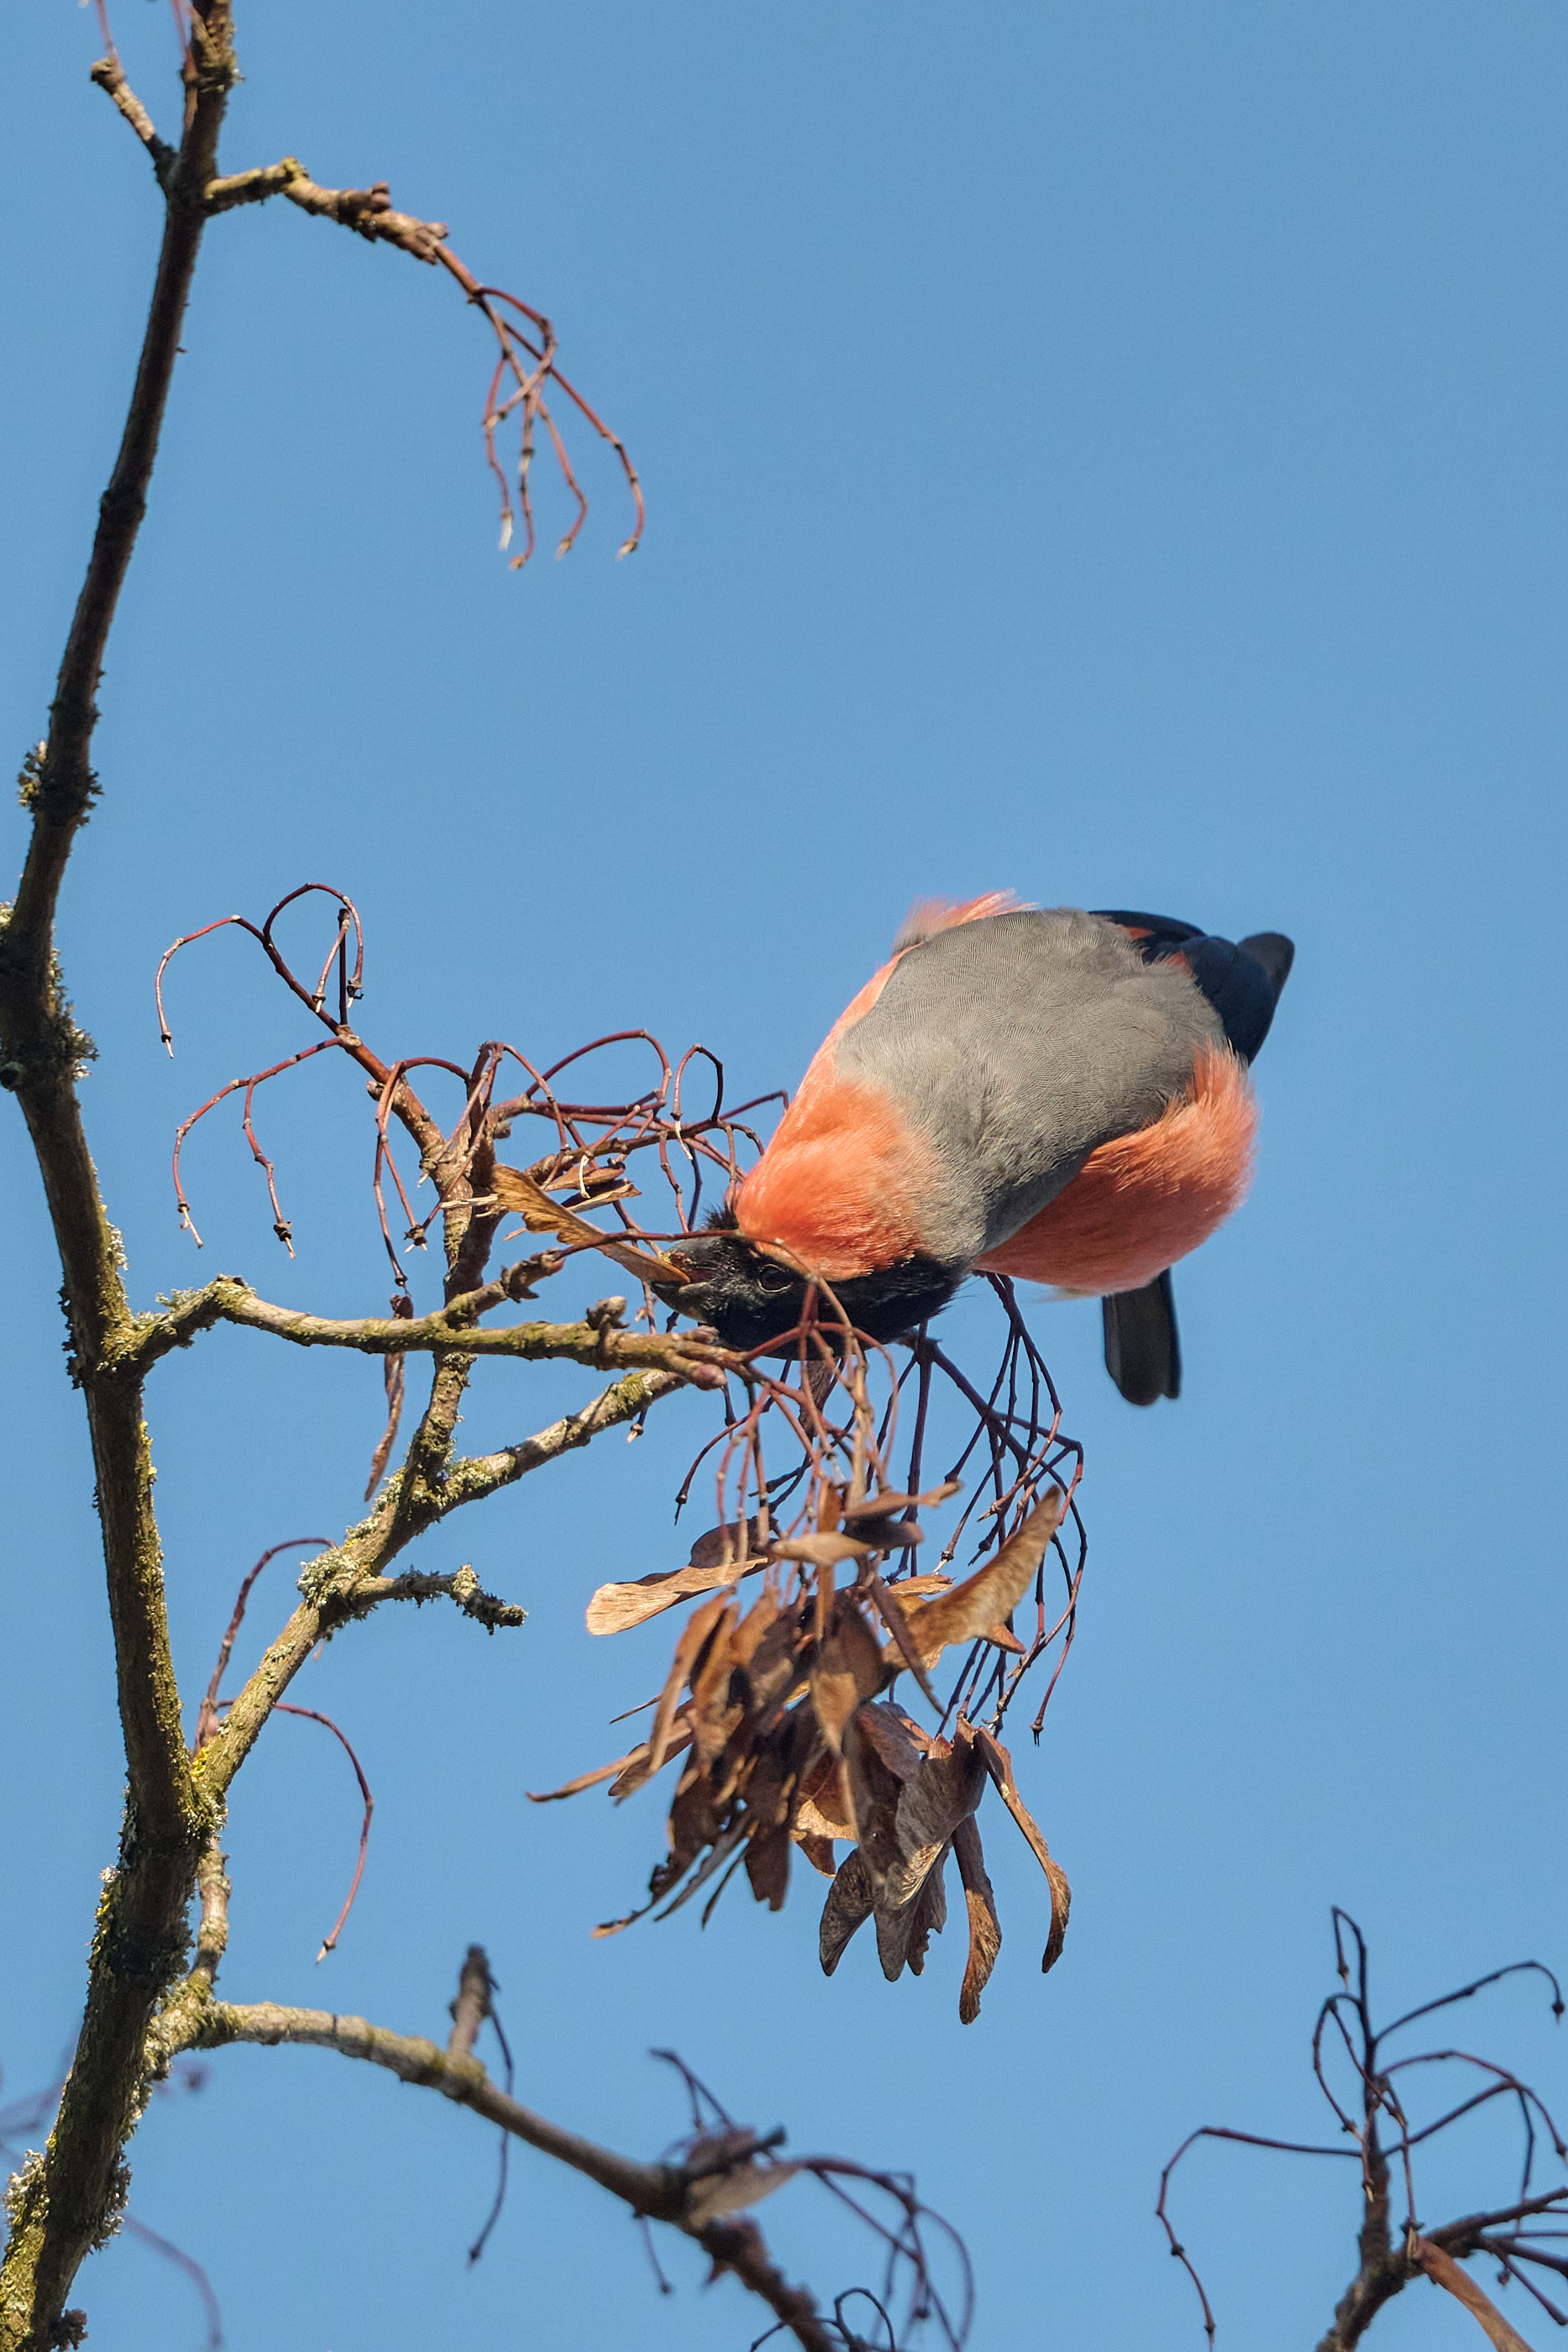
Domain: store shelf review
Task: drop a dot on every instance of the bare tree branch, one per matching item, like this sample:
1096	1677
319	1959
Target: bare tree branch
110	74
63	2205
1444	2272
472	2006
1464	2236
1382	2133
68	2202
663	2192
368	211
600	1344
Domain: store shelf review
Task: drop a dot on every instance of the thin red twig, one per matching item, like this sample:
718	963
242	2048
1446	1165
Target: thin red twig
314	1716
516	350
206	1714
192	2269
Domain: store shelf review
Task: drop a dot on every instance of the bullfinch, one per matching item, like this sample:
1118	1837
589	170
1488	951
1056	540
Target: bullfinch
1050	1094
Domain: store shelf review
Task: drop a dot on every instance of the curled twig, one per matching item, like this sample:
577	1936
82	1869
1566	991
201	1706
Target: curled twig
206	1718
1374	2123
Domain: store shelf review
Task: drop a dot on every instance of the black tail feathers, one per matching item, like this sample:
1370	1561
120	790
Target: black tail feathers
1143	1350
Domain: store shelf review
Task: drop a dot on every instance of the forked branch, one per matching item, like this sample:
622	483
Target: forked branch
63	2205
724	2169
350	1580
1376	2129
109	76
598	1343
660	2192
526	360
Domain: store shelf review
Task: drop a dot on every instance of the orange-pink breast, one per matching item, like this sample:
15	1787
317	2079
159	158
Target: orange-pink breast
1144	1201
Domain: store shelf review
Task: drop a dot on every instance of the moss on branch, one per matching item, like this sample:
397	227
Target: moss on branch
599	1343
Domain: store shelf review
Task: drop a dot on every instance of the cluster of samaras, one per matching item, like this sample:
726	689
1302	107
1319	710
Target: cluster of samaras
780	1718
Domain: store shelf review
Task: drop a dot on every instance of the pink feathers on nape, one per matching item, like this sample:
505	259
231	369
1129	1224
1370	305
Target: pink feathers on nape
843	1184
929	916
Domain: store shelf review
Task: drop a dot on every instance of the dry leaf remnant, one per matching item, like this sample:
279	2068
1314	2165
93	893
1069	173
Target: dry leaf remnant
779	1716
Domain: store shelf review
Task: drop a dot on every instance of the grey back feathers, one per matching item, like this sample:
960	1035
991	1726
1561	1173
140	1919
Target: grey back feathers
1015	1045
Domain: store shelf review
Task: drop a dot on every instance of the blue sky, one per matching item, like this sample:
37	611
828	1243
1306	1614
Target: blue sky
1114	451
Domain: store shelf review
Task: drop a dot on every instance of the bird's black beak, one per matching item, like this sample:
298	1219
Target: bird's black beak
690	1295
692	1298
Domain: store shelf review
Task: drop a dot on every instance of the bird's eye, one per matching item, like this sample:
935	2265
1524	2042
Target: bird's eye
774	1278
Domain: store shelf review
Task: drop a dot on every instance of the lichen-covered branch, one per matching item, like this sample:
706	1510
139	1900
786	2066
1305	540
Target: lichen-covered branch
598	1343
663	2192
213	1935
65	2205
369	212
462	1586
68	2201
60	787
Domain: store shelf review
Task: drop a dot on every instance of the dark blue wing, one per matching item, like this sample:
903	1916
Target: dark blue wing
1242	981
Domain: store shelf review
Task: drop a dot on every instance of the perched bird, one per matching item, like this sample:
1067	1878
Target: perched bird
1045	1093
